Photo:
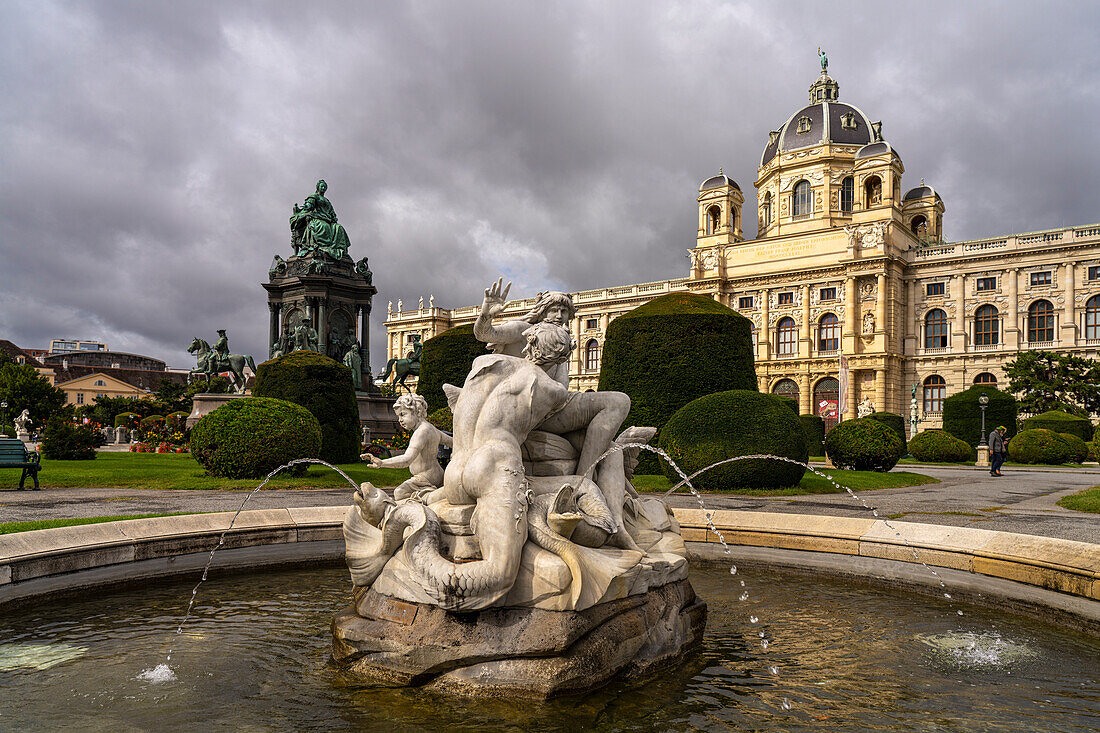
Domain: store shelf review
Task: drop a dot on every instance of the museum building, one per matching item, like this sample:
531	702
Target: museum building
846	264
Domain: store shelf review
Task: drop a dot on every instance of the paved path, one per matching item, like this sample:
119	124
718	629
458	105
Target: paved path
1022	501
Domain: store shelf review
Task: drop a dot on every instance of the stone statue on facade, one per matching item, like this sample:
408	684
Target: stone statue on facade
315	231
522	530
212	361
865	407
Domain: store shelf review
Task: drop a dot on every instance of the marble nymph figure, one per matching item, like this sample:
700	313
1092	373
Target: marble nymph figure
534	568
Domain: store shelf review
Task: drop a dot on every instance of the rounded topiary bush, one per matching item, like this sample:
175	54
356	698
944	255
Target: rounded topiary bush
322	386
962	413
126	419
891	420
939	446
1092	451
446	359
672	350
813	429
735	423
1078	449
863	445
252	436
790	402
1060	422
1038	445
442	419
151	420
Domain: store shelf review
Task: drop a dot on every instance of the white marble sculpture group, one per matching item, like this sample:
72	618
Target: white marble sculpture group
536	507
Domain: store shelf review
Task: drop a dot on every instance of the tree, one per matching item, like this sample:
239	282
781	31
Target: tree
23	388
103	409
1048	381
174	396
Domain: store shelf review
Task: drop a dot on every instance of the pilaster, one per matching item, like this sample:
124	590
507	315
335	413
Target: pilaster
1069	322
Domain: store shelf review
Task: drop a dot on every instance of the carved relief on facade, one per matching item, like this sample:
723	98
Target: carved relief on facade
868	290
868	323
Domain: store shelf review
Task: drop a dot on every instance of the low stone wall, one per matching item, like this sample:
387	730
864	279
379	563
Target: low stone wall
1039	570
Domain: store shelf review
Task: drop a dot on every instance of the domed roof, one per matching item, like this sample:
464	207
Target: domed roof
824	120
876	148
920	192
718	181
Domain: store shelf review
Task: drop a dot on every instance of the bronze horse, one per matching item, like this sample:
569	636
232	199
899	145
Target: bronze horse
402	368
208	364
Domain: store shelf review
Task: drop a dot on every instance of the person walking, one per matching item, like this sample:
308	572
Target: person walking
997	449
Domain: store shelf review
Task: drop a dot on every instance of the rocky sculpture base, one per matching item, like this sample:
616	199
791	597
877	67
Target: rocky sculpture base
520	652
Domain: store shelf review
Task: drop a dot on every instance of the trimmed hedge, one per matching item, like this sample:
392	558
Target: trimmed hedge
443	419
939	446
1060	422
813	429
962	414
863	445
177	420
125	419
151	420
252	436
1092	451
891	420
322	386
1078	449
446	359
672	350
735	423
64	441
790	402
1038	445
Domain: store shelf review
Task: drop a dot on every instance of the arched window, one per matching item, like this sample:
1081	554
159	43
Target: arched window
733	219
592	356
986	378
987	326
767	210
787	341
1092	318
919	225
828	333
801	201
714	218
935	329
872	192
847	194
787	388
826	400
1040	322
935	389
99	383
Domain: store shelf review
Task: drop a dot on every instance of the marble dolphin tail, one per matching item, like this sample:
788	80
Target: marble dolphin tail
594	570
377	528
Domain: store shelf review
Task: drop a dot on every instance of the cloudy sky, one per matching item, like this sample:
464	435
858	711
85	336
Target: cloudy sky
150	152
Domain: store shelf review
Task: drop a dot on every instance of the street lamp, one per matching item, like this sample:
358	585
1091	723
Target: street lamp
983	400
3	413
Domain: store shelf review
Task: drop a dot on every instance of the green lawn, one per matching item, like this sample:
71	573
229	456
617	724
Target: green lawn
812	483
1083	501
180	471
12	527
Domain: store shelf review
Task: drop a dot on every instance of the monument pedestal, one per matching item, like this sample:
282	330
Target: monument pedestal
204	403
376	414
983	456
520	652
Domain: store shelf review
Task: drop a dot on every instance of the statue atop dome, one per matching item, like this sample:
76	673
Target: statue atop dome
824	60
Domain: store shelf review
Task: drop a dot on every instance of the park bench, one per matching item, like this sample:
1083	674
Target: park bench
13	454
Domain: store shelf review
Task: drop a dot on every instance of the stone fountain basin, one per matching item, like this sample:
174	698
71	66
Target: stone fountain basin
1059	579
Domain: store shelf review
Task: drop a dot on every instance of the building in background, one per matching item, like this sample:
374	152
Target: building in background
847	262
64	346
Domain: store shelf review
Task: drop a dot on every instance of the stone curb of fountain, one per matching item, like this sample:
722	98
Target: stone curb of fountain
1093	468
72	559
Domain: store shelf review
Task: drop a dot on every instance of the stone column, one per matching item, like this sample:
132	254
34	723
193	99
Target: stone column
364	337
763	337
880	391
322	327
807	336
912	330
880	311
850	335
804	396
273	325
1069	323
1012	326
958	337
852	412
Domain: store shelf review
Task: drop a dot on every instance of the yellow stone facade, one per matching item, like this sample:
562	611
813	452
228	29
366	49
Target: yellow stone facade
846	264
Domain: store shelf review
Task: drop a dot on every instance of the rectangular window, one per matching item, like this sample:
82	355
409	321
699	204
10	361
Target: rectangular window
1094	272
786	298
745	301
935	288
828	293
80	398
592	323
987	283
933	397
1040	278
